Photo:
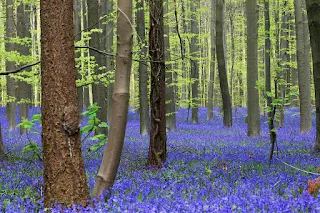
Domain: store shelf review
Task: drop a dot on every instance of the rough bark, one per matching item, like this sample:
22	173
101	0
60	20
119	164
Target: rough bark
220	48
303	63
157	149
64	174
212	62
252	68
24	89
143	72
170	97
194	49
10	65
313	10
120	100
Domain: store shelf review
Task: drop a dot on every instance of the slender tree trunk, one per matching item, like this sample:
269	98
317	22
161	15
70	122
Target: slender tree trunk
64	174
157	149
10	65
194	49
183	64
120	100
99	92
143	72
267	57
110	60
232	58
313	9
212	62
86	98
170	97
24	89
77	29
252	68
303	62
220	47
3	155
102	89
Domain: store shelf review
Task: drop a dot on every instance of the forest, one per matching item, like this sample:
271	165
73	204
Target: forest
160	106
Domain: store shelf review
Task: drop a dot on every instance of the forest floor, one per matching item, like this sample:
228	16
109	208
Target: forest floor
209	168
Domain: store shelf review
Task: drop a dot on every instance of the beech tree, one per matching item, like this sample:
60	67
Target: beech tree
252	68
143	74
120	100
10	65
303	64
313	9
157	149
221	57
212	62
64	175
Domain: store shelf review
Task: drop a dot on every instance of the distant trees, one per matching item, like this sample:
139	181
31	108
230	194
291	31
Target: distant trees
313	9
252	68
157	149
64	175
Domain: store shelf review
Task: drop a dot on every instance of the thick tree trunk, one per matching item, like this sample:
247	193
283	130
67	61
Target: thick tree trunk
143	72
252	68
313	9
212	62
194	49
24	89
64	174
157	150
170	97
220	47
120	100
303	62
10	65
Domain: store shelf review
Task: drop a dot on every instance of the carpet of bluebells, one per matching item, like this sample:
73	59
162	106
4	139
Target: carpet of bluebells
209	168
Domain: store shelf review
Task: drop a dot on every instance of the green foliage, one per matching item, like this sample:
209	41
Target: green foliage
93	124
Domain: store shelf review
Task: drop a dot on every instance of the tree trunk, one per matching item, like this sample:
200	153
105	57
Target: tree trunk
194	49
313	9
109	60
220	47
170	97
303	62
212	63
23	31
10	65
120	100
143	72
252	68
267	58
157	150
77	29
3	155
98	90
64	174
